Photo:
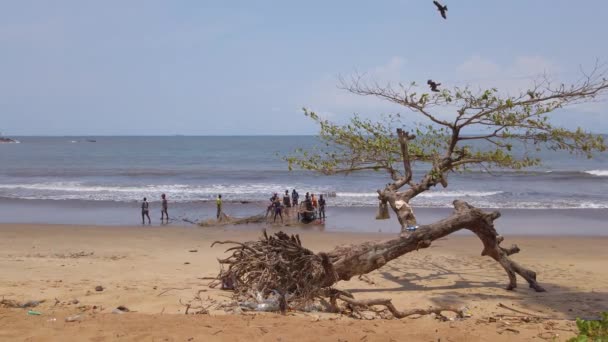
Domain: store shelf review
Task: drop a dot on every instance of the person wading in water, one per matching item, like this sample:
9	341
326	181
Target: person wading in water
321	208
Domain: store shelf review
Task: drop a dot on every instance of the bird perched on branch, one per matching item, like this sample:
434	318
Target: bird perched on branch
433	85
442	9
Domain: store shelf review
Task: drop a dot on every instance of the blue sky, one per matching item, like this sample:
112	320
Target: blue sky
248	67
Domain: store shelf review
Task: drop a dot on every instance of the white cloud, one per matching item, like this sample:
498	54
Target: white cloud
476	66
510	78
520	75
476	71
331	100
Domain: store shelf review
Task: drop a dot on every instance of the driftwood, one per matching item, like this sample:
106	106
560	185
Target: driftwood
10	303
280	263
362	259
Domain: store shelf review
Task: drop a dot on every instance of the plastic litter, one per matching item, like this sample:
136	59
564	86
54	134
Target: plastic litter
75	318
267	307
34	313
269	304
466	313
248	305
314	307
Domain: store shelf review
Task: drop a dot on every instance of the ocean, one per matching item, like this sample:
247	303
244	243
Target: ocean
101	173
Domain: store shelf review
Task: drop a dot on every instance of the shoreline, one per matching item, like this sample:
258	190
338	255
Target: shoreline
152	270
253	228
567	222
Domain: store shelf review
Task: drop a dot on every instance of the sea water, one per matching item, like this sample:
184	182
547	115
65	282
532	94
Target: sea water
101	173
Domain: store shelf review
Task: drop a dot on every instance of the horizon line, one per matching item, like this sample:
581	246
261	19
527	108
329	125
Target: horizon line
180	135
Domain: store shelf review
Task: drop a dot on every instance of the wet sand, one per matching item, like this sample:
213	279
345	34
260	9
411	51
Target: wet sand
151	269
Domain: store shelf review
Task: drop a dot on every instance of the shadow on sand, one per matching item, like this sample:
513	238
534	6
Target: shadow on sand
479	281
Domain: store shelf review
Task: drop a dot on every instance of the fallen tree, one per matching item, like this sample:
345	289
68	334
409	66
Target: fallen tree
280	263
281	266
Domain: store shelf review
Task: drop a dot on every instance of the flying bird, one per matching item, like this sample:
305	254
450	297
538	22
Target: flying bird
433	85
442	9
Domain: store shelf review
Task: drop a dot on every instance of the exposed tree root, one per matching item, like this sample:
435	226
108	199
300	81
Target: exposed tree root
276	263
199	304
369	303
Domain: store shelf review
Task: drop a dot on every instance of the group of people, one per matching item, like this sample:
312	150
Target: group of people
307	211
164	212
310	209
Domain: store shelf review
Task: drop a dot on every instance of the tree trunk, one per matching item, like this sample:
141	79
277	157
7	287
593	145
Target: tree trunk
344	263
280	264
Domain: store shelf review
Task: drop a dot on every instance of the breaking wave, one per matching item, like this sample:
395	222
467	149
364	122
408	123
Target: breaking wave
260	192
601	173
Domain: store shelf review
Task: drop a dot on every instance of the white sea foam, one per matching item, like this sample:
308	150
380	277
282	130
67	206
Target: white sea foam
256	192
427	194
459	193
601	173
176	192
357	194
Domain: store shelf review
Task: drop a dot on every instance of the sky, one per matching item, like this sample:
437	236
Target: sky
249	67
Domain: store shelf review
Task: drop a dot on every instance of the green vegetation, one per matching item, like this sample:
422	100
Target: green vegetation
592	331
460	129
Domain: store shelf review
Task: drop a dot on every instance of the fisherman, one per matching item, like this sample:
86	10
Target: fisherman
321	208
315	204
287	199
278	209
163	208
275	196
145	211
218	202
294	197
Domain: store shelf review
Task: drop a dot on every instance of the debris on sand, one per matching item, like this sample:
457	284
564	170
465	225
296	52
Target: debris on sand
75	318
9	303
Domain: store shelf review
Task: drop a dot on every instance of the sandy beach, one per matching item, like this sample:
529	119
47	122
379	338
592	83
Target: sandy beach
150	270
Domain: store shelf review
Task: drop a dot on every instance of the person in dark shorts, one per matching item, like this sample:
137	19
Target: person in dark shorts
278	210
321	208
164	208
270	207
218	202
294	197
287	199
145	211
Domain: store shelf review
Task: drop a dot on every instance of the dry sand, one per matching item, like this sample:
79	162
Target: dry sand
150	270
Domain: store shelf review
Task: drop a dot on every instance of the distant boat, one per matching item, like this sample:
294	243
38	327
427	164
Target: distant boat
5	140
91	140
